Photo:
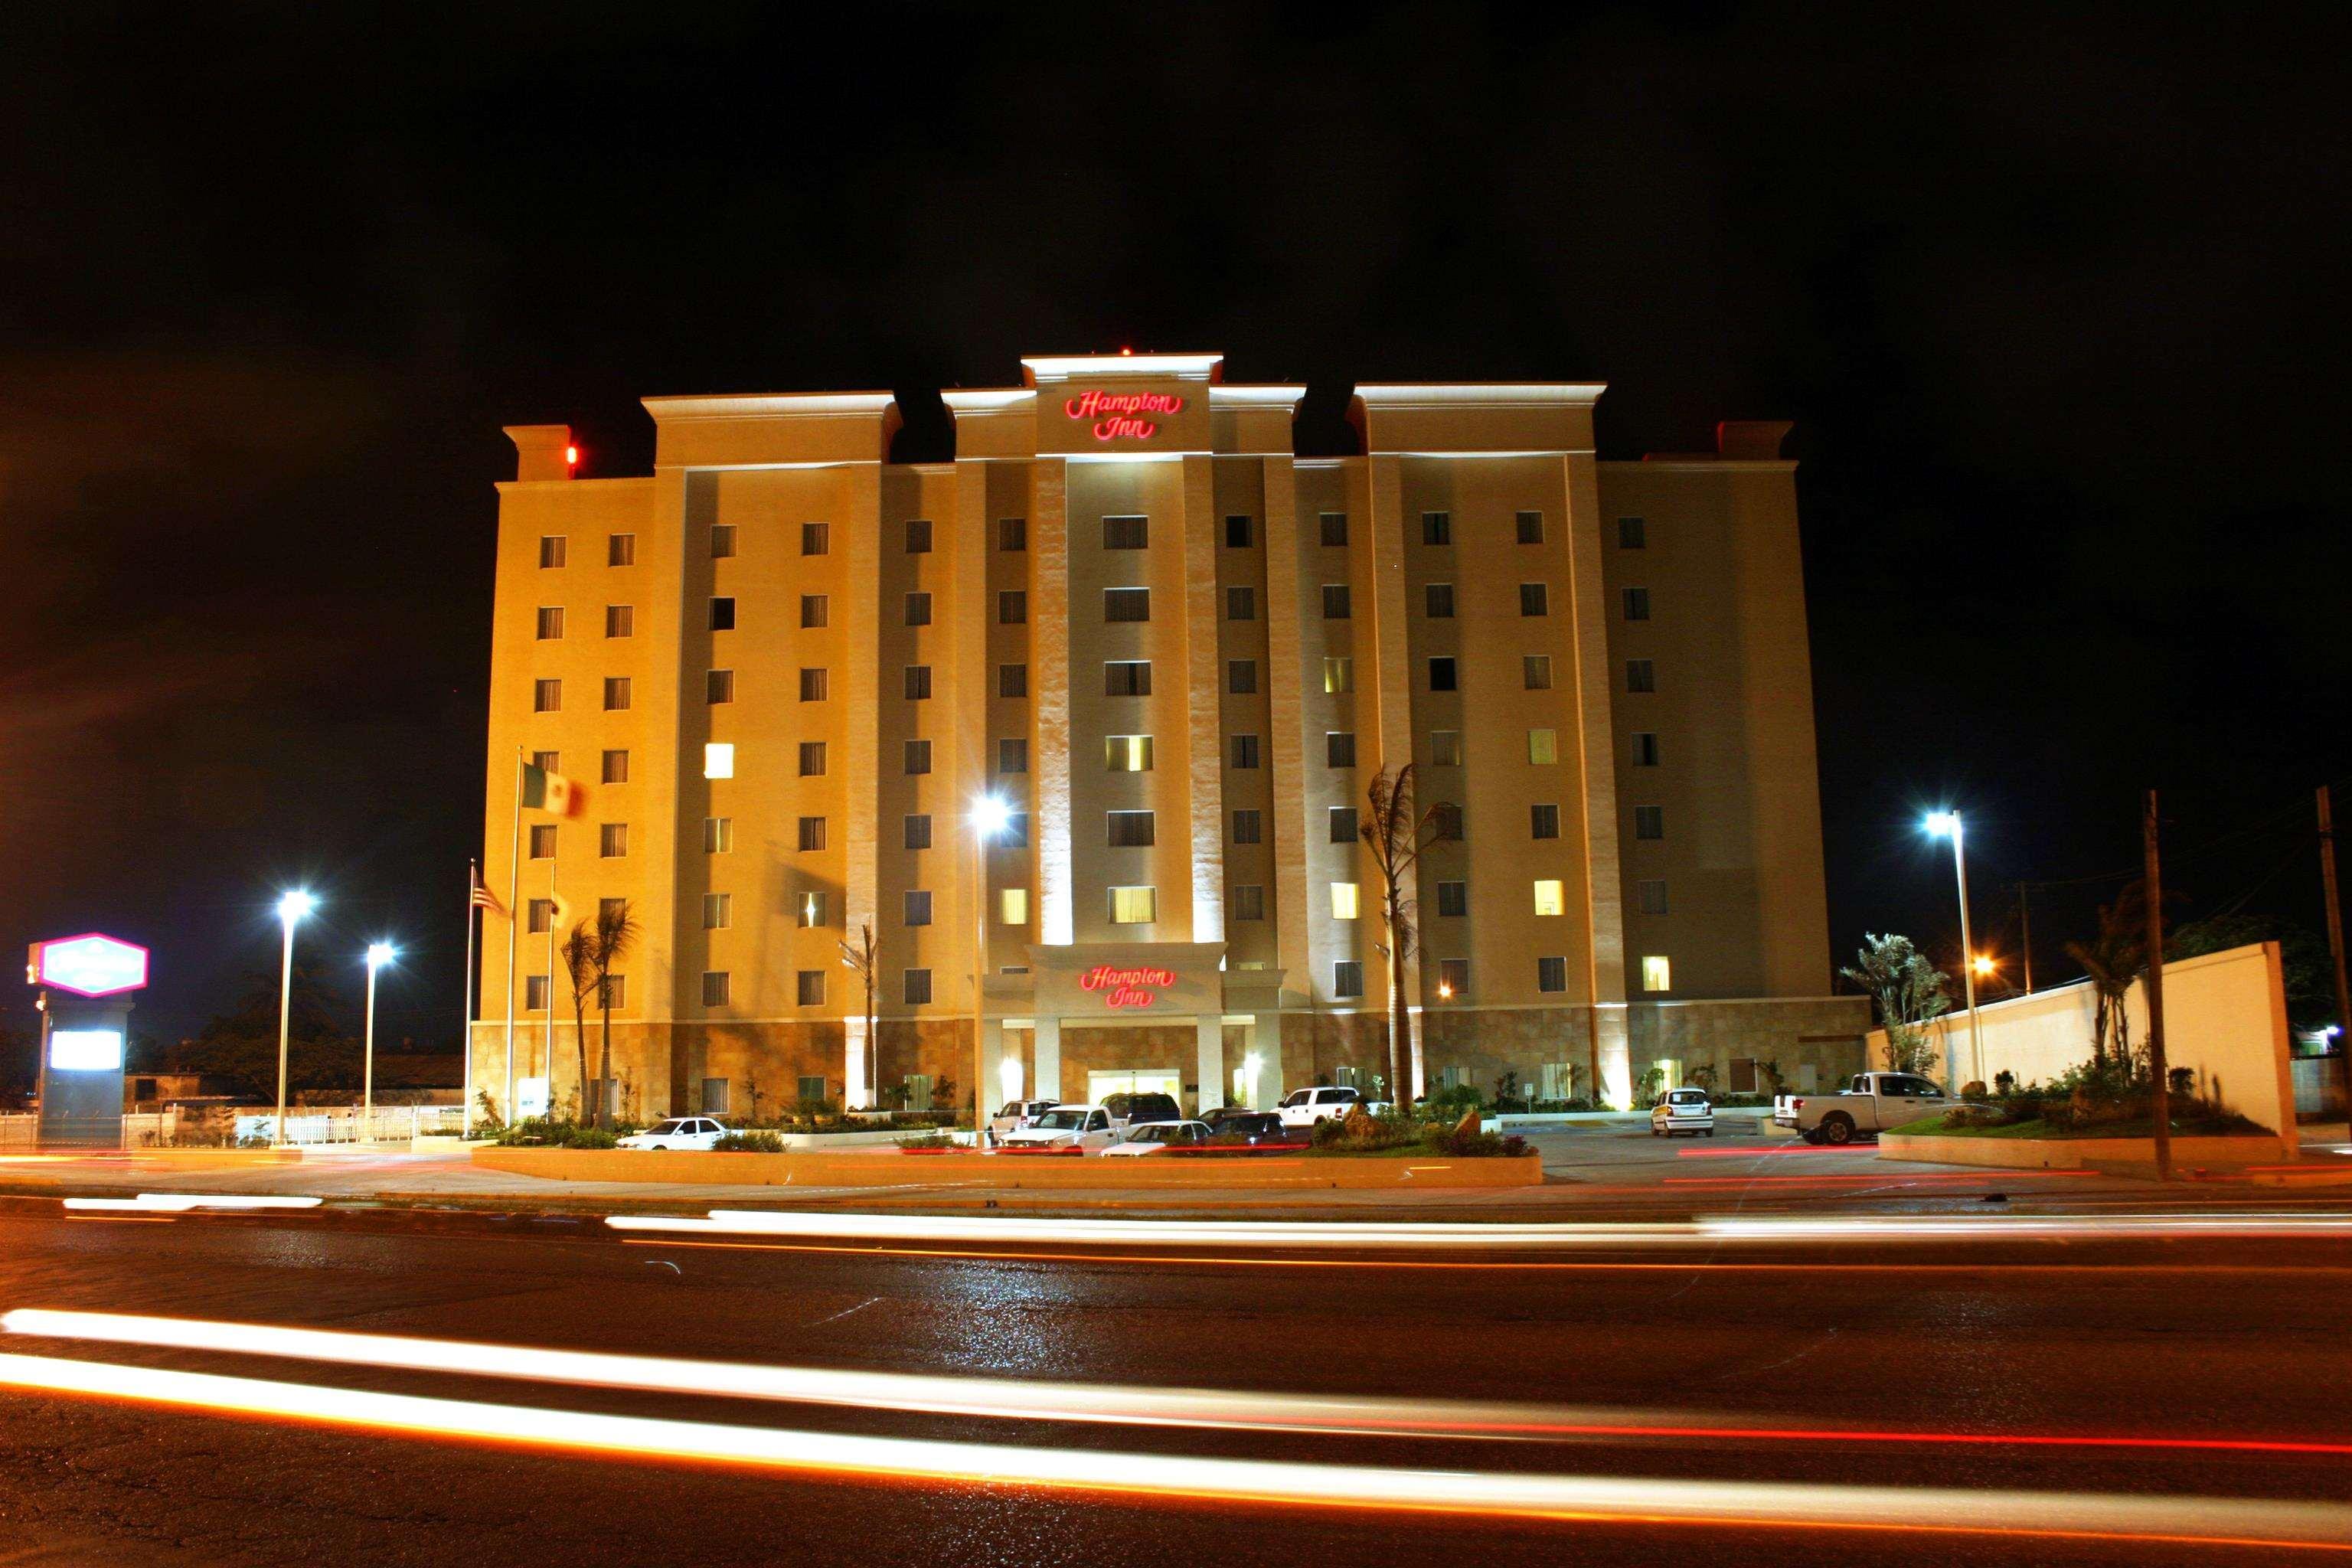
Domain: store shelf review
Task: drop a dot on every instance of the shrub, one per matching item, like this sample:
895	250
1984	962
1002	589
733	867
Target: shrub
758	1141
1973	1089
589	1138
927	1140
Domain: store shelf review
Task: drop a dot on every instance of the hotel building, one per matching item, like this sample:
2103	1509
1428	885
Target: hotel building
782	669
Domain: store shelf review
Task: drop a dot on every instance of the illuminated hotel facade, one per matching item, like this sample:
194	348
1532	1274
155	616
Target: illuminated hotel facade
784	668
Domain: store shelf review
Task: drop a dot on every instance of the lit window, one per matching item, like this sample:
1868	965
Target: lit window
550	549
714	988
718	760
1551	897
812	759
811	908
1133	906
1543	747
1127	603
1339	675
620	620
719	686
1130	829
1530	525
1248	903
616	693
816	539
718	910
1127	753
1013	906
919	536
1343	901
1126	532
1334	528
551	622
1552	974
612	839
1346	979
1241	603
809	987
918	906
812	832
1336	606
816	610
1127	678
918	833
1438	527
546	696
918	609
722	613
1445	747
718	834
621	550
722	541
918	988
616	767
1657	974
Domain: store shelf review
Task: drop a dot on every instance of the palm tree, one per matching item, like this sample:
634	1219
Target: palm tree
2112	959
579	954
1397	835
616	934
861	959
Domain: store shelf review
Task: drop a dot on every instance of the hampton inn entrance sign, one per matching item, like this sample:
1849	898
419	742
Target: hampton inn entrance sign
1140	981
1120	415
1123	988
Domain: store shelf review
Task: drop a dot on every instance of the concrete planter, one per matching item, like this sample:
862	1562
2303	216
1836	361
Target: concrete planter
2082	1153
1019	1172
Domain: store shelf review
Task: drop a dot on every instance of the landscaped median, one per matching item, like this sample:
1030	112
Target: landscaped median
2037	1146
1269	1173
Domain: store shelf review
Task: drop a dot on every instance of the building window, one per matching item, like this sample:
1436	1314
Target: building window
719	686
1652	896
1657	974
1245	751
1437	601
551	622
1241	676
1346	979
610	909
1012	607
811	908
918	683
620	550
1237	532
1012	533
616	693
722	541
918	988
1126	753
1247	902
534	993
812	684
812	838
1343	901
918	757
551	551
1637	603
1641	675
1633	533
1013	906
1127	603
1012	755
1552	974
1335	601
716	1099
1016	832
722	613
539	917
546	696
616	991
1127	678
1551	897
1444	675
919	536
816	539
1531	524
917	830
1445	747
809	987
612	839
1248	827
918	609
918	906
620	620
816	610
718	836
1649	822
1339	749
1013	680
1339	675
1241	603
1543	747
1543	821
1342	824
547	762
1453	899
1535	599
1646	749
1453	977
812	759
616	767
1446	819
1335	529
718	760
1133	906
718	910
1130	829
1126	532
1438	527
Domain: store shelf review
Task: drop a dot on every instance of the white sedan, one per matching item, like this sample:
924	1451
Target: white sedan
1063	1127
1159	1136
1682	1110
677	1132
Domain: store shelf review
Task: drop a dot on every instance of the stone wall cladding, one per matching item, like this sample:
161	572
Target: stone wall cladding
1711	1033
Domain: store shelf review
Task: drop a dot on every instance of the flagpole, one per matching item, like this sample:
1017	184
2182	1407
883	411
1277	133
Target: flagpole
514	929
549	1067
473	880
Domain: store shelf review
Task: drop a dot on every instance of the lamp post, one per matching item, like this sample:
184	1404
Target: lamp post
379	953
988	816
291	908
1938	825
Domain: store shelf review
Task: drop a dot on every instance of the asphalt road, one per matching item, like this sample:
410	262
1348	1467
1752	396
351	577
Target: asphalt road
1744	1352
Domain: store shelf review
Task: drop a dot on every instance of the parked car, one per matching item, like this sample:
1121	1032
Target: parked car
1871	1103
677	1132
1306	1106
1682	1110
1018	1113
1159	1136
1256	1128
1064	1127
1135	1110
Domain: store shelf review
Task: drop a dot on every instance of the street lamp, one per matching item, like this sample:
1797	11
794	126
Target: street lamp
291	908
379	953
1938	825
989	815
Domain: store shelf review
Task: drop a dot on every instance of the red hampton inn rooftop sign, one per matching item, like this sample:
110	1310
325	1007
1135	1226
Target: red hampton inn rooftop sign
1125	988
1118	414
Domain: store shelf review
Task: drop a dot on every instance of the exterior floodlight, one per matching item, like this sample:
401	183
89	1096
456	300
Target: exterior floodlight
1943	823
380	954
1947	825
292	906
989	815
1984	963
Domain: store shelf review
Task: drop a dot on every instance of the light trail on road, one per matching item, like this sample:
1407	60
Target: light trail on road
183	1203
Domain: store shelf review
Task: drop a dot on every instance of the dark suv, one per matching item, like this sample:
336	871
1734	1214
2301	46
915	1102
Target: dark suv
1256	1128
1131	1110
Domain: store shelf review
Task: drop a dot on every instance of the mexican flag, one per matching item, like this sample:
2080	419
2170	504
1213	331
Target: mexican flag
550	791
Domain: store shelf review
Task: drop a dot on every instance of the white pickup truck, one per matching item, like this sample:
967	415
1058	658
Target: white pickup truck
1873	1102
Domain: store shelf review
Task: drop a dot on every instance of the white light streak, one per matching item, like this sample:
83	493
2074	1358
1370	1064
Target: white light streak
181	1203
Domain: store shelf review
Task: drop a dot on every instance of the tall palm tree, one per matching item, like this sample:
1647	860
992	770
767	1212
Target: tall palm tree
861	958
615	934
2112	960
1397	835
579	954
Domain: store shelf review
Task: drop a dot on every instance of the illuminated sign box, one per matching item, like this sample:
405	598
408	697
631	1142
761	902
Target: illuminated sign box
85	1050
91	964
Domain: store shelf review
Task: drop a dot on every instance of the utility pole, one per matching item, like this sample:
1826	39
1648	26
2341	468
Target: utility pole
2163	1106
2335	934
2025	935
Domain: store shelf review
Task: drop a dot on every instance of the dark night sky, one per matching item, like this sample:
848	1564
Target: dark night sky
2057	308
